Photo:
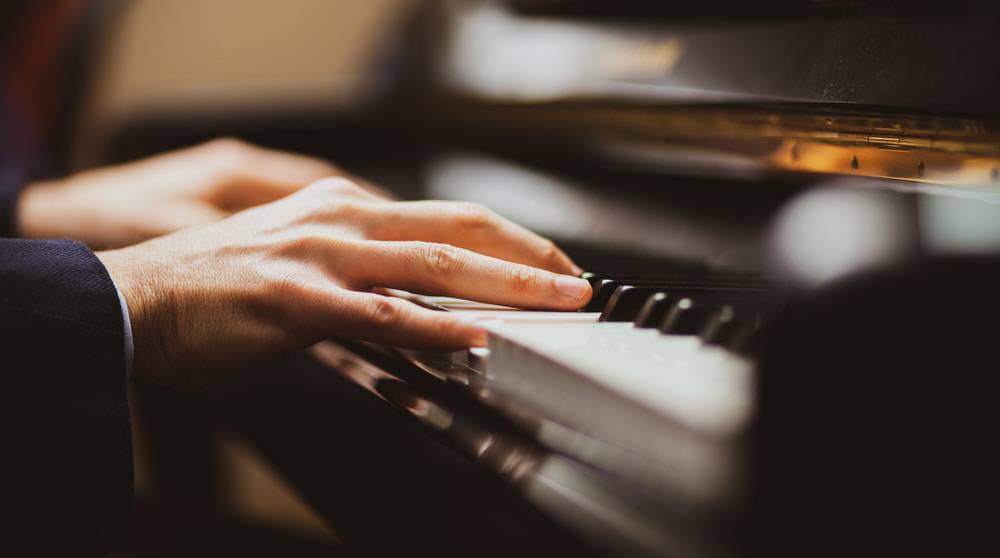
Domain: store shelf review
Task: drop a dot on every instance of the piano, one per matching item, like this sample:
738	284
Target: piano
790	217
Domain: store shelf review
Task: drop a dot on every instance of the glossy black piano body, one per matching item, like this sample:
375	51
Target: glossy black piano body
715	149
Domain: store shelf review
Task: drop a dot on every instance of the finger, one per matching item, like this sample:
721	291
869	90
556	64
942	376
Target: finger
253	175
393	321
248	188
470	226
441	269
280	167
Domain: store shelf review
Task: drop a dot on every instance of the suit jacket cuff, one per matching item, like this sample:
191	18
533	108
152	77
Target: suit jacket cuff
57	293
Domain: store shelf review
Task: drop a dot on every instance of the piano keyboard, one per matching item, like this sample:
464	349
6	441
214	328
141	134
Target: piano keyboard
649	359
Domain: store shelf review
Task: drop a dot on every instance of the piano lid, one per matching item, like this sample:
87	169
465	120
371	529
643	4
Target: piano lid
929	62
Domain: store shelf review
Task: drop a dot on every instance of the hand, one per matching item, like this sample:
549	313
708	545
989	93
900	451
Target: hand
122	205
208	299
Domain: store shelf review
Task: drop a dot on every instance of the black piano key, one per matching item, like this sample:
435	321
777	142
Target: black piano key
653	310
602	290
741	330
626	303
634	299
605	288
750	340
740	313
678	277
687	316
723	326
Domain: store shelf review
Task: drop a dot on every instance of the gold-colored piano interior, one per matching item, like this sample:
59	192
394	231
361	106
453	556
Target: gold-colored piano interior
952	151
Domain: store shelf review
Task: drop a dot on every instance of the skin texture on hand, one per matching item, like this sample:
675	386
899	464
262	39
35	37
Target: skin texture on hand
121	205
208	299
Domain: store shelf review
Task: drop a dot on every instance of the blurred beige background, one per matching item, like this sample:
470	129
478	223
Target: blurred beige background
191	56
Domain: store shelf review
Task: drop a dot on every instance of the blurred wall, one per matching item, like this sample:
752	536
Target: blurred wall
191	57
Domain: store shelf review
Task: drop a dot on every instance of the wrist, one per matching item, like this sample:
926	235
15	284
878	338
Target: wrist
137	283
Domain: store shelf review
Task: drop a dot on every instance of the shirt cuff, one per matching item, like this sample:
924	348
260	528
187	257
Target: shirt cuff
127	330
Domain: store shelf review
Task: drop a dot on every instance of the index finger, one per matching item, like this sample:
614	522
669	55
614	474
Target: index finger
442	269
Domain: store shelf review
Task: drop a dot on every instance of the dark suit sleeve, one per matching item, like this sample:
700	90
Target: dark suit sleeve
10	189
68	445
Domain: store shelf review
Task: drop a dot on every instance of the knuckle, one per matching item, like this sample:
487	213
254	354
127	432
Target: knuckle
474	216
384	312
334	210
323	187
346	209
230	160
334	186
286	286
550	252
226	143
229	150
297	246
349	187
522	280
310	246
441	259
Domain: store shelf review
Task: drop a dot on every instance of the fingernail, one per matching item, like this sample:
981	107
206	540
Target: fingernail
577	270
572	287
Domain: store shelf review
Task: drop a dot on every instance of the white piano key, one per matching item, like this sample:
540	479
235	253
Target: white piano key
675	377
593	370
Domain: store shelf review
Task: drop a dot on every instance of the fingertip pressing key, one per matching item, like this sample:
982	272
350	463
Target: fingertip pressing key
573	288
